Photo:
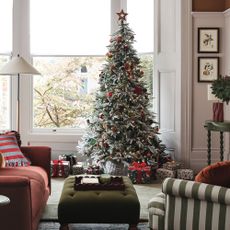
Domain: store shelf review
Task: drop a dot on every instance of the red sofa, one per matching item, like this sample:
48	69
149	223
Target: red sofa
28	189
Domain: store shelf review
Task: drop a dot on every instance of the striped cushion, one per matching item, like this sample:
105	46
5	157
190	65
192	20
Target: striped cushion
11	151
13	133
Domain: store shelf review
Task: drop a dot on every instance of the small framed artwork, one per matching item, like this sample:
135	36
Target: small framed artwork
208	69
208	40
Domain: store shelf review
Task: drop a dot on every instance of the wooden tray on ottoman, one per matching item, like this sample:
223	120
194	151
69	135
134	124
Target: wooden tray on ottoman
116	183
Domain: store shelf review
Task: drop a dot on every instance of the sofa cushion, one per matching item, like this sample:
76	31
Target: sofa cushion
10	150
215	174
35	173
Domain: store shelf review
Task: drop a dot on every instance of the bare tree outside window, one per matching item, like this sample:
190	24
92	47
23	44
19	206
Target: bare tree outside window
65	92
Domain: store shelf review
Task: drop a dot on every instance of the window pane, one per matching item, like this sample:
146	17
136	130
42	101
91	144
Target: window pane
141	21
64	92
70	26
4	97
147	64
6	26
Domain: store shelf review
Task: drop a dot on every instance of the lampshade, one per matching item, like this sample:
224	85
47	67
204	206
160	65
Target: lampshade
18	65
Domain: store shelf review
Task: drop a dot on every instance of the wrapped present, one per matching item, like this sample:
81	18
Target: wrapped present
94	169
60	168
172	165
69	157
78	169
186	174
163	173
139	173
163	158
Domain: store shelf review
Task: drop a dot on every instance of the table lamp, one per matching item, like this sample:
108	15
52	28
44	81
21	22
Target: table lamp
16	66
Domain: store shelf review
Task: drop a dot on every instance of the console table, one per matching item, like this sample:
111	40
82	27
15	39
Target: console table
216	127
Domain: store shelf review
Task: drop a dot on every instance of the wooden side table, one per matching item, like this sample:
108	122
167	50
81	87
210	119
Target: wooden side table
4	200
216	127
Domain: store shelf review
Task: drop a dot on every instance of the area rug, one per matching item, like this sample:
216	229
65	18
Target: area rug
55	226
144	192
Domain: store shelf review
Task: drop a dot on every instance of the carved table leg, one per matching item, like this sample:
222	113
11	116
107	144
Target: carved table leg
209	147
64	227
221	146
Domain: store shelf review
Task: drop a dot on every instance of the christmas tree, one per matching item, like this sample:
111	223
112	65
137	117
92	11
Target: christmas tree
122	127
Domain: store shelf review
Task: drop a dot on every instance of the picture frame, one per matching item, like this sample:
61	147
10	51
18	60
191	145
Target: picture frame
208	40
208	69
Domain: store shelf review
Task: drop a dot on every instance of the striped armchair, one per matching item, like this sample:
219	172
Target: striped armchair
185	205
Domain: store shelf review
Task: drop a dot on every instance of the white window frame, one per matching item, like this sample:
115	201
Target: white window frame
13	98
21	41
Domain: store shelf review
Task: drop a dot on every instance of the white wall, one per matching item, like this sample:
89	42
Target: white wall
201	107
227	72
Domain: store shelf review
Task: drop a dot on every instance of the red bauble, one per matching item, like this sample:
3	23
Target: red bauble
105	145
138	90
119	38
114	129
127	66
126	47
109	94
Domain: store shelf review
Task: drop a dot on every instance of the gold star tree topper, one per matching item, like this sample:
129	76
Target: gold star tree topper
122	16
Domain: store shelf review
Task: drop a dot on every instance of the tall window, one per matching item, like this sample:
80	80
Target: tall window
5	51
141	20
68	44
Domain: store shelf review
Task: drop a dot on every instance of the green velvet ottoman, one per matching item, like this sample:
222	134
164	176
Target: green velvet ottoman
98	206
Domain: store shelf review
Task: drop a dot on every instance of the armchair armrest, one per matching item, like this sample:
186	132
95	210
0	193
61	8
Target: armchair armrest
156	205
196	190
39	156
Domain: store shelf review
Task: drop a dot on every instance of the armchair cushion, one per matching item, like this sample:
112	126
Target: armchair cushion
215	174
11	152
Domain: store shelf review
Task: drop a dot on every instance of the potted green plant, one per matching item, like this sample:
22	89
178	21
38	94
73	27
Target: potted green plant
221	90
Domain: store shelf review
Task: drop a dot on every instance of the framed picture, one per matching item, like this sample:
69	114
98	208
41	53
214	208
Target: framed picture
208	40
208	69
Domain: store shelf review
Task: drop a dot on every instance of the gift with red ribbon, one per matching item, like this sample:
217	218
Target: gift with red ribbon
139	173
60	168
69	157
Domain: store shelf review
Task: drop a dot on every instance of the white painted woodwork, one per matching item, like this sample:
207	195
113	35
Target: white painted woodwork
167	71
167	93
227	72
